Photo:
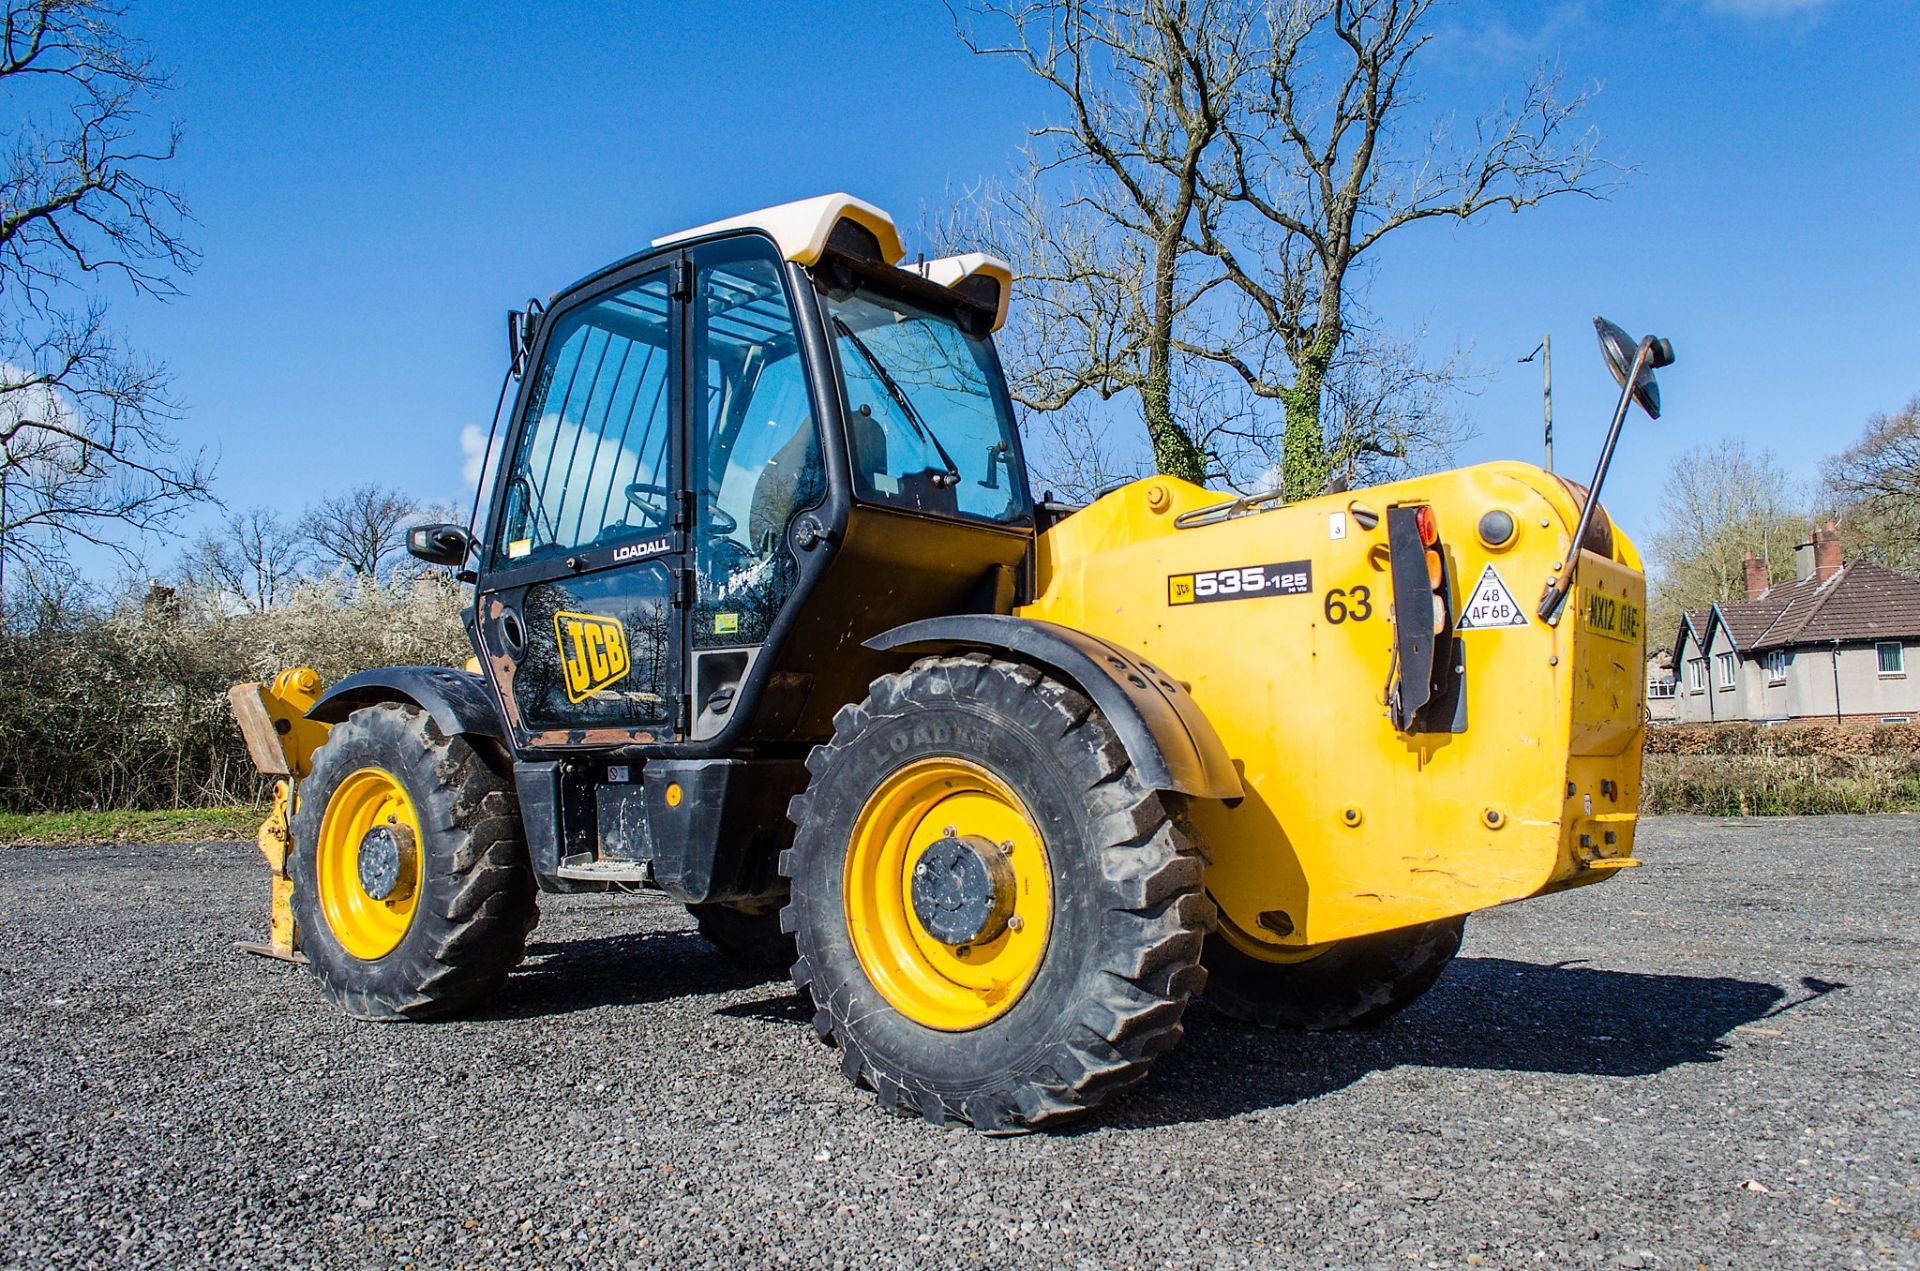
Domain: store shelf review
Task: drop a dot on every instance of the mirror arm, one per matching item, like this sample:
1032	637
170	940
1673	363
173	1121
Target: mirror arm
1561	586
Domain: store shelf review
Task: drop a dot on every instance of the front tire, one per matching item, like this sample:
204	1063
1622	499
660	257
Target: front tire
412	895
1086	914
1352	984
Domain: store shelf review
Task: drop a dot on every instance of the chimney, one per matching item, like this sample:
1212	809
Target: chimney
1827	555
1756	570
1803	561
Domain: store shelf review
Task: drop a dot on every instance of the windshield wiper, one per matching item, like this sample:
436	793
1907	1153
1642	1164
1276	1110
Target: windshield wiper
899	396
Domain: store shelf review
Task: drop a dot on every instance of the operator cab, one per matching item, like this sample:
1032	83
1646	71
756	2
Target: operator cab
732	459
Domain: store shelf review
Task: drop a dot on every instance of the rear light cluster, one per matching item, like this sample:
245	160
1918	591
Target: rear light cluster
1429	528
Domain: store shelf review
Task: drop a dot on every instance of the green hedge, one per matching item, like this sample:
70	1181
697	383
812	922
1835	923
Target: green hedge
1787	770
125	706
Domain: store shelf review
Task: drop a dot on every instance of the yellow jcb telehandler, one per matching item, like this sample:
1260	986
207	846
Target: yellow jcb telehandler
766	618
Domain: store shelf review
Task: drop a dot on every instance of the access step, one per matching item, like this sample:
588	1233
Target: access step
604	871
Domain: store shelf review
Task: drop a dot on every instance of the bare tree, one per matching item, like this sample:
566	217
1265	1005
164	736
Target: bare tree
86	451
1222	170
255	558
1100	224
1873	486
363	531
1720	502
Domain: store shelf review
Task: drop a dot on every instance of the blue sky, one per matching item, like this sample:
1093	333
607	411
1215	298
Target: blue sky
375	184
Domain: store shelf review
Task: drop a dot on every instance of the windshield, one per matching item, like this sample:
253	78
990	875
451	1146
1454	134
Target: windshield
929	424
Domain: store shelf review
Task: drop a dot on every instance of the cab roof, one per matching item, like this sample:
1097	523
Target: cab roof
806	229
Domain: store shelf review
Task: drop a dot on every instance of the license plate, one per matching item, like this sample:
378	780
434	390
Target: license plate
1611	616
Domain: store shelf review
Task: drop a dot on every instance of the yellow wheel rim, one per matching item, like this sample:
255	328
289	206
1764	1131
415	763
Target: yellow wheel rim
1265	950
949	987
369	905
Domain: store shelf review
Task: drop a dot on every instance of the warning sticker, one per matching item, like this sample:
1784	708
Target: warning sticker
1490	605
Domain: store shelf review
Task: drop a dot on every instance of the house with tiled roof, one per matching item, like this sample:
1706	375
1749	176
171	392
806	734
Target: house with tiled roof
1660	703
1832	642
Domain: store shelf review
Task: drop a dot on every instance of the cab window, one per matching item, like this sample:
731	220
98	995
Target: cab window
593	463
759	451
929	423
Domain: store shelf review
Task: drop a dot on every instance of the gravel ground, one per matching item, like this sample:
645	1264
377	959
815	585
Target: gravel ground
1707	1063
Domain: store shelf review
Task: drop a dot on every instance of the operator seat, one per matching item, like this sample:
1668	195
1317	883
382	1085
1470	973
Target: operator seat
795	475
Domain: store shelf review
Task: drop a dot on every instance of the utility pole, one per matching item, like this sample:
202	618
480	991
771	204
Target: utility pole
4	460
1545	351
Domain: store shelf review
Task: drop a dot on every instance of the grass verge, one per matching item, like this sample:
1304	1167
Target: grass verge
1778	785
183	825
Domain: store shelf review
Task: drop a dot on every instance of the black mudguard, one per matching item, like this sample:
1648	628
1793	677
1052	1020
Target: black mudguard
1166	734
458	701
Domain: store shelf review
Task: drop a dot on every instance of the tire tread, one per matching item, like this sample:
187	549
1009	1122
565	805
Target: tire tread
473	940
1151	937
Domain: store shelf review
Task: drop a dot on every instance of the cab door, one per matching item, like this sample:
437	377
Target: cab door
576	608
756	466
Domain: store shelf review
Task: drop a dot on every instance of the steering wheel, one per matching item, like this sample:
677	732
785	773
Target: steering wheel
649	498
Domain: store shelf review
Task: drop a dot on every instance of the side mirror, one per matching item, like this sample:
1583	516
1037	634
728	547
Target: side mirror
1619	348
440	544
1632	362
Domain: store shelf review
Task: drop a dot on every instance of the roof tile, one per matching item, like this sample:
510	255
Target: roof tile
1864	601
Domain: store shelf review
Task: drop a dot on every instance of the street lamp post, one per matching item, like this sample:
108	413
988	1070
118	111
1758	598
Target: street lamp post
1544	350
4	462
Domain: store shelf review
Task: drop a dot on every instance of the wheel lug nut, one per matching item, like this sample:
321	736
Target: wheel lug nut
1016	923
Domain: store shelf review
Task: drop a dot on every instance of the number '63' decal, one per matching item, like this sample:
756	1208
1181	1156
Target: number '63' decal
1349	604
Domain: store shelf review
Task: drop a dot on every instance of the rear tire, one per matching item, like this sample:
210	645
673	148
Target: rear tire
1354	984
1108	879
750	937
457	920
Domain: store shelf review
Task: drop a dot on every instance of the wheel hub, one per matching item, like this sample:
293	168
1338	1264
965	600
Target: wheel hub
915	890
963	889
367	863
384	852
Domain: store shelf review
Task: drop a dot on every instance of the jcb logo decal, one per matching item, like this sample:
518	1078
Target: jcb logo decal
1245	582
593	652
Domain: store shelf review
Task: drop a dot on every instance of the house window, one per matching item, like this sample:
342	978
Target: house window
1696	674
1777	667
1893	657
1660	688
1723	664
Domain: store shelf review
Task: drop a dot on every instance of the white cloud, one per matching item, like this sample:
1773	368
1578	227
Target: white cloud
1768	8
24	402
1484	34
23	397
474	454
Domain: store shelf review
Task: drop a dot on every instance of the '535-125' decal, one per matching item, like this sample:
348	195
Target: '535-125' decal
1245	582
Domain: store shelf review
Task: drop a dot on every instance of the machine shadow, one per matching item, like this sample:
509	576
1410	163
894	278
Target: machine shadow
1490	1014
560	977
